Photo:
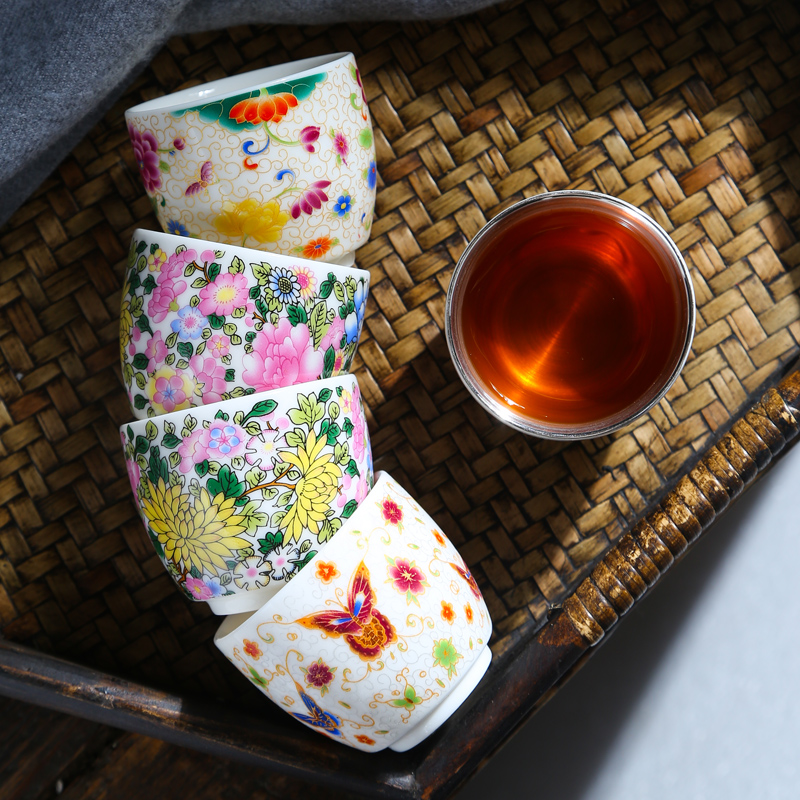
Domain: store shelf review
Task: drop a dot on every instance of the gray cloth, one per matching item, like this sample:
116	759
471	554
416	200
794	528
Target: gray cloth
64	63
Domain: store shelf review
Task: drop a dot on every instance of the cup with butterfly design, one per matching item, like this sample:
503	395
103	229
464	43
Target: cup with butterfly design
279	159
379	639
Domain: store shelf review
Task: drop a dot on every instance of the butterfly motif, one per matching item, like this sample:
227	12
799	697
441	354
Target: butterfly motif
366	631
206	174
317	718
467	576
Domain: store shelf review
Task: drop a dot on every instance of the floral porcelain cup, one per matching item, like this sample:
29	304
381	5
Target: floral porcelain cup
279	159
203	322
381	637
238	497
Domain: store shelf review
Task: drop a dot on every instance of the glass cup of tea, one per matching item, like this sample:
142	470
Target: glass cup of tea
570	314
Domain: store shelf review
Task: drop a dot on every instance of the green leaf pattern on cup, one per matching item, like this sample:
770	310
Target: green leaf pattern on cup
235	502
282	324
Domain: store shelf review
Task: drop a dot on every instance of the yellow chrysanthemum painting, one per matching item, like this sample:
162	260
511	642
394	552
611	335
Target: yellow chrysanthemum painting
202	535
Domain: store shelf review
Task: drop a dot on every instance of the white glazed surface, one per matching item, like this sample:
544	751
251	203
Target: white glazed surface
202	322
300	183
422	627
237	497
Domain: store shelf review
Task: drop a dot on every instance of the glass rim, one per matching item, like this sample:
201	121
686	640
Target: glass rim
565	431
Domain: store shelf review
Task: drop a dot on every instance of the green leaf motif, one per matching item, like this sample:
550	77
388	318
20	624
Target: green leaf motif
365	137
213	270
142	444
295	438
261	272
140	361
185	349
149	284
215	321
333	431
318	323
143	324
225	482
329	363
171	441
254	292
139	401
230	375
237	266
202	468
260	409
270	542
349	509
150	430
324	395
352	468
297	314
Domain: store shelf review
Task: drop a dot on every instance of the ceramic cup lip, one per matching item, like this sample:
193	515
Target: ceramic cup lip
236	84
282	259
232	627
502	411
244	600
170	242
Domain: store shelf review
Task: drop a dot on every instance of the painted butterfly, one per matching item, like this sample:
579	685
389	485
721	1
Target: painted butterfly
467	576
206	174
316	717
366	631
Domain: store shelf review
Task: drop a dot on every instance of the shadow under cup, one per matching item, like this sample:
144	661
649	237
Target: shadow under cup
570	314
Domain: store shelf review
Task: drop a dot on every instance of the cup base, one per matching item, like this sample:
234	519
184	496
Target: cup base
240	603
448	707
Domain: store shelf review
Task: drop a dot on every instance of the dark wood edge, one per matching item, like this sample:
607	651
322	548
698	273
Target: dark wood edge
438	767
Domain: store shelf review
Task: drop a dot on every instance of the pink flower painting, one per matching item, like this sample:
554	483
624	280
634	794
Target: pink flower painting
227	292
282	356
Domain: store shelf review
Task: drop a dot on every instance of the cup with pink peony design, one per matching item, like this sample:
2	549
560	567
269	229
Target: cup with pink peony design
238	497
381	637
203	322
280	159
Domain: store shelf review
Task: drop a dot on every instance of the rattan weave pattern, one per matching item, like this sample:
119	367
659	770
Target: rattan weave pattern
686	109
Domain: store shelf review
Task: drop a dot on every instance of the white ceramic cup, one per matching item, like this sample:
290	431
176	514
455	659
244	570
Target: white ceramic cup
238	497
279	159
203	322
379	639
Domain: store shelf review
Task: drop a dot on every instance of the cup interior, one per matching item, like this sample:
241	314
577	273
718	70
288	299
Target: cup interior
531	333
255	79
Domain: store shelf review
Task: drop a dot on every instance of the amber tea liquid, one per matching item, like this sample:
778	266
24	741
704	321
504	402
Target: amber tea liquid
571	314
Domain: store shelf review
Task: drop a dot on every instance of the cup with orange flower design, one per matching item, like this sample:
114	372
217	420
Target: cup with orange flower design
381	637
279	159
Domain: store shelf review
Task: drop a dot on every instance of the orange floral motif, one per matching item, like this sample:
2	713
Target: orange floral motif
326	571
448	614
317	248
468	612
266	108
438	536
252	649
364	739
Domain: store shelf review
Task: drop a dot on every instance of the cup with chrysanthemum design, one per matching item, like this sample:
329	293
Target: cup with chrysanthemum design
238	497
381	637
203	322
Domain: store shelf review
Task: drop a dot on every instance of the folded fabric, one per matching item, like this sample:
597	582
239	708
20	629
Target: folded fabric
64	64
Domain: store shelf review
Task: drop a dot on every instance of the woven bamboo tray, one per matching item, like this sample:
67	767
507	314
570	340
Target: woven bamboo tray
687	110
